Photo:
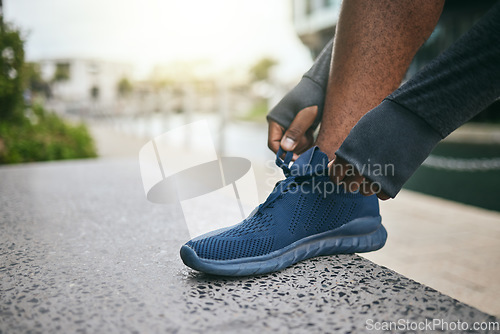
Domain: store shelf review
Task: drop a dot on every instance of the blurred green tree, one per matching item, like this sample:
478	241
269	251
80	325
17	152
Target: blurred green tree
11	71
261	69
32	79
62	72
260	75
124	87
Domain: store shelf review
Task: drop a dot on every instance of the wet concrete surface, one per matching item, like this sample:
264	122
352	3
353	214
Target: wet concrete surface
83	251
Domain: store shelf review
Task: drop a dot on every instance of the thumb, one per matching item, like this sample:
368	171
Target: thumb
301	123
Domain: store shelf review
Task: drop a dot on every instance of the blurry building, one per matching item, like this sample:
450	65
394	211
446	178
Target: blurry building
315	21
84	84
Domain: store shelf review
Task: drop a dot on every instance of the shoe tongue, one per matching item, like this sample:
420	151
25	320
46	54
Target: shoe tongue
311	161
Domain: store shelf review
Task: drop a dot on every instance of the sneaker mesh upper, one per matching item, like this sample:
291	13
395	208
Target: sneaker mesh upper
298	214
292	212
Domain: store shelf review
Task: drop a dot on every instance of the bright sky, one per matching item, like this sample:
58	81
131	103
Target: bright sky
229	33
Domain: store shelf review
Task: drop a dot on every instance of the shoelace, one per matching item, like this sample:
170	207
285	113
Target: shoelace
291	180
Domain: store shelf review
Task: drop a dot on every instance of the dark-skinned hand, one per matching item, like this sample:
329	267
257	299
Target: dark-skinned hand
342	172
298	137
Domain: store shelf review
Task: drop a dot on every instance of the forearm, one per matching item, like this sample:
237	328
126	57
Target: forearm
375	42
401	132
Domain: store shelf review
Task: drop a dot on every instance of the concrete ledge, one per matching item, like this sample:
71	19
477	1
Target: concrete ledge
449	246
83	251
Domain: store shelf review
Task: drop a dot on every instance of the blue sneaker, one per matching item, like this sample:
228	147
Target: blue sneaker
306	215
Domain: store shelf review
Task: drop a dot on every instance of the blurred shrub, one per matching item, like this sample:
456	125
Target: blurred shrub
43	136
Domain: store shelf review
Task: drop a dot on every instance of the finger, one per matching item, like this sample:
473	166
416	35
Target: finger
353	183
301	123
383	196
274	136
367	187
305	142
338	169
377	189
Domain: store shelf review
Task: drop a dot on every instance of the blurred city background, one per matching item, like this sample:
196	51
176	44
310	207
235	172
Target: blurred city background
142	68
94	78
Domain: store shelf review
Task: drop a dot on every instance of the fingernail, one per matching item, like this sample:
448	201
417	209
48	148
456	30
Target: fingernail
288	144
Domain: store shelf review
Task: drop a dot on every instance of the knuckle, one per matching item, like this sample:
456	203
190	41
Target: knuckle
294	133
271	146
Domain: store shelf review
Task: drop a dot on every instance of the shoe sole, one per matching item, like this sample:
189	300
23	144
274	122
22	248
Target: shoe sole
358	236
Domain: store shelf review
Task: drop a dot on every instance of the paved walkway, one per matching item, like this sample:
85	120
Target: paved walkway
448	246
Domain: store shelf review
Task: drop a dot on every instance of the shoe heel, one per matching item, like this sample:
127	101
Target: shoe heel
364	243
359	236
